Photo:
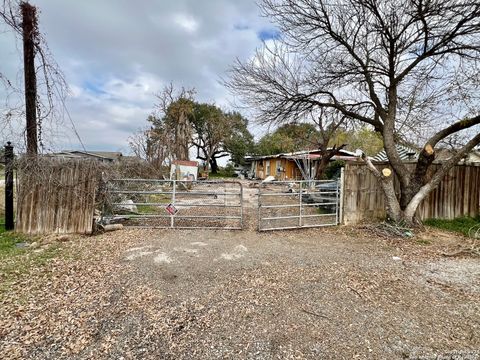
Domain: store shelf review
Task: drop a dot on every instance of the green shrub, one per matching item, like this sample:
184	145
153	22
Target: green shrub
333	169
225	172
463	225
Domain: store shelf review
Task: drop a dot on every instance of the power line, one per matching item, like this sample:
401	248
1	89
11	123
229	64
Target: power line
73	126
62	100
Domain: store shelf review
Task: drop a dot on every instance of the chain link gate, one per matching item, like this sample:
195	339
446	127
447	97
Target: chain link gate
174	204
298	204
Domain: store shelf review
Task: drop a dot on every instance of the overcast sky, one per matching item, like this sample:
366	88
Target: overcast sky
117	54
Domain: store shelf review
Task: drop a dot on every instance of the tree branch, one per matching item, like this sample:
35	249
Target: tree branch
456	127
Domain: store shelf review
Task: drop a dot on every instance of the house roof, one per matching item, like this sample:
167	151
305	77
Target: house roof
113	155
185	162
311	154
79	154
409	154
405	152
64	154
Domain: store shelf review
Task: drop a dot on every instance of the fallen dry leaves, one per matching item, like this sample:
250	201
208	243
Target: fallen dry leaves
305	294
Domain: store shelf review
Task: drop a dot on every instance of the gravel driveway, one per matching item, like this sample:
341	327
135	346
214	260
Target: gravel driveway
306	294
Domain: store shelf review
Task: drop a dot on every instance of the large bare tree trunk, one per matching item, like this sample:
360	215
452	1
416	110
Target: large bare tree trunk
405	207
214	165
386	180
182	137
321	166
29	20
327	155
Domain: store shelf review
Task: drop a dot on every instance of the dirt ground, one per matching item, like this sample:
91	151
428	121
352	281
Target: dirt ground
330	293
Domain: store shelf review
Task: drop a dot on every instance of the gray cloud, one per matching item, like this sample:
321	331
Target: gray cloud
116	54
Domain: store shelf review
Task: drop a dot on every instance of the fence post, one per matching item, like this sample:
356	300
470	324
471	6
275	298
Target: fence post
342	191
300	205
241	205
9	216
172	216
259	207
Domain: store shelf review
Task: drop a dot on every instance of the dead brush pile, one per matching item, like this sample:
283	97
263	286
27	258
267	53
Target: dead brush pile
55	195
58	195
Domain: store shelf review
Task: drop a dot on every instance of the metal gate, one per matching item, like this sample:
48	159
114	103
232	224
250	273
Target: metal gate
174	204
298	204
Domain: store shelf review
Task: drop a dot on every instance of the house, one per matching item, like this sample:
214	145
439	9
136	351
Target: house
291	166
102	156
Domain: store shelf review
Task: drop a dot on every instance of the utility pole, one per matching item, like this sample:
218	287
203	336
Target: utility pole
30	36
9	216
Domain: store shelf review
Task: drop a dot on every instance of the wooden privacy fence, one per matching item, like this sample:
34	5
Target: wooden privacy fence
457	195
56	196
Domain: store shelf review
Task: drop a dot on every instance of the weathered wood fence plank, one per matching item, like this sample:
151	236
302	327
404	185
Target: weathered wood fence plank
457	195
56	196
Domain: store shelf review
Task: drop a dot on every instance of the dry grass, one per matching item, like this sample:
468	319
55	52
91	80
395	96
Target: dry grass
2	201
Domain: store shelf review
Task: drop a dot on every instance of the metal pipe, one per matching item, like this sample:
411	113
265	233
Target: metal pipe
259	206
342	191
172	216
208	182
297	205
135	216
299	182
152	192
177	204
241	205
296	193
297	216
185	227
336	212
293	194
301	208
296	227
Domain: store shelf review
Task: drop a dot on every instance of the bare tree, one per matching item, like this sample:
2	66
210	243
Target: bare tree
176	107
404	67
139	143
328	122
271	83
45	89
153	143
